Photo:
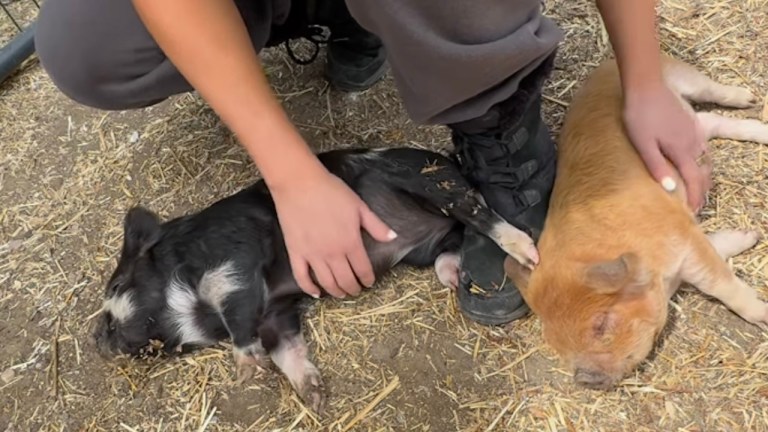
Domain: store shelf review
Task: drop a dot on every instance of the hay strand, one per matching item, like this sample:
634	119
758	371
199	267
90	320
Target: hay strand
372	404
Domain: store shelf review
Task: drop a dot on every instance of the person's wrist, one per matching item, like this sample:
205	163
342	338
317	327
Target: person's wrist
641	91
305	172
280	153
642	72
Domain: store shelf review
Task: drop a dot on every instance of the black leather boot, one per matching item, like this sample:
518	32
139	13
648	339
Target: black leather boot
355	59
509	156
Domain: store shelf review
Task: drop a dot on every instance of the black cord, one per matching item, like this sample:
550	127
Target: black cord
314	35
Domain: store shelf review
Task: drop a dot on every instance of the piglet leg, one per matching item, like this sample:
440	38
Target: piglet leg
447	267
290	357
516	243
705	268
693	85
248	360
718	126
234	297
729	243
470	209
439	183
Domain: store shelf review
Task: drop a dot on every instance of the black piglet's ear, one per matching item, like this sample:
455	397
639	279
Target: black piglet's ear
141	231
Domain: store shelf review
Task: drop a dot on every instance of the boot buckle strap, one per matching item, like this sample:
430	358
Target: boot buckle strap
518	139
513	178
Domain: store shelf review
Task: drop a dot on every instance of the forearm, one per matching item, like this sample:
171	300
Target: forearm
208	42
631	26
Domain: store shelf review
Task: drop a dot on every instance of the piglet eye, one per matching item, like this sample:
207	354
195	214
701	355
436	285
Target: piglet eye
600	325
116	285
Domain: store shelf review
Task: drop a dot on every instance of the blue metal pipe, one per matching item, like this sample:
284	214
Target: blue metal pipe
20	48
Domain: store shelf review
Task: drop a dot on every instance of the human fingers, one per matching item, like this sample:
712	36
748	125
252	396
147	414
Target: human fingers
361	265
326	279
656	163
693	177
345	278
374	225
301	273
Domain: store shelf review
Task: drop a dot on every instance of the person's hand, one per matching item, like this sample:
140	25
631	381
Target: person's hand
321	219
659	126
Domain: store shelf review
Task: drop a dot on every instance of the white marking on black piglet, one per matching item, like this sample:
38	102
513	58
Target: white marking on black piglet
447	267
516	243
182	303
363	159
217	284
291	358
121	307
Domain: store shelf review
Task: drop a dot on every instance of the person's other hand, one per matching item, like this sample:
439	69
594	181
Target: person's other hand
321	217
659	126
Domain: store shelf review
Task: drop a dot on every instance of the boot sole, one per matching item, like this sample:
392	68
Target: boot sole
479	309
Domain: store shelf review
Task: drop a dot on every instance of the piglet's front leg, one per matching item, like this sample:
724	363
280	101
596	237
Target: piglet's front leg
516	243
705	268
470	209
444	187
235	298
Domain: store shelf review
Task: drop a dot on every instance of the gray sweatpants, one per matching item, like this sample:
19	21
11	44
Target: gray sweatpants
451	59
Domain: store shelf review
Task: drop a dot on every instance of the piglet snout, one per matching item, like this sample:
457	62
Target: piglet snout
99	340
593	379
91	340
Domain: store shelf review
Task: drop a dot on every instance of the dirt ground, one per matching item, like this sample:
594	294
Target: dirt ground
400	356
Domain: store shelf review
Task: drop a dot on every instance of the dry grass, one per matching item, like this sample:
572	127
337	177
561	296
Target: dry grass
400	357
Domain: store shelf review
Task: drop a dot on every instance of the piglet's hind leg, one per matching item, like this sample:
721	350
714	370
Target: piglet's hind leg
706	269
692	84
291	358
718	126
447	267
281	336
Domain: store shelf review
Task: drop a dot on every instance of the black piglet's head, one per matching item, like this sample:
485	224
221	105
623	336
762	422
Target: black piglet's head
134	297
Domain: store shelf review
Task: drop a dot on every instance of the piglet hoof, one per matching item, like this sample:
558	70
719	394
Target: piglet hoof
763	323
312	391
754	237
526	254
741	241
244	373
739	97
516	244
247	364
757	315
246	370
532	256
